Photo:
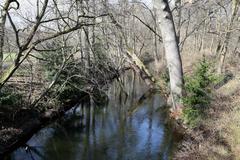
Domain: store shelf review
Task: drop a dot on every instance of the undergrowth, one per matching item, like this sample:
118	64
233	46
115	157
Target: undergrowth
198	88
9	97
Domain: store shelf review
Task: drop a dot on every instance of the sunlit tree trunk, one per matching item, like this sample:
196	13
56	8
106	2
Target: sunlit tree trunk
85	41
236	46
227	37
3	11
173	57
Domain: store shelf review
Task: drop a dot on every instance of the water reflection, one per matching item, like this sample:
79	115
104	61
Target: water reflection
127	128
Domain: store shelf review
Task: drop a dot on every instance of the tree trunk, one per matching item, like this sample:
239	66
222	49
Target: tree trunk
224	51
2	28
236	46
179	20
227	37
172	52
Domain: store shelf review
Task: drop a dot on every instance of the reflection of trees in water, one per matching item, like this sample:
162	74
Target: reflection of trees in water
165	146
149	138
110	132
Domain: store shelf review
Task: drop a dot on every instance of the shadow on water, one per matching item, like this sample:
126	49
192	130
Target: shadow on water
131	126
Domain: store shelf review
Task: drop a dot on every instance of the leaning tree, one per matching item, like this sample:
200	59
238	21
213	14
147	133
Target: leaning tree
172	53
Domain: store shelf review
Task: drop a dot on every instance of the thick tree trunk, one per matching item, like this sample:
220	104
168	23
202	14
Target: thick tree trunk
2	28
1	44
84	35
173	57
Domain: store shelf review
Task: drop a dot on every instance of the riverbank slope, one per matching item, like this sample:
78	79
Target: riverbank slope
218	135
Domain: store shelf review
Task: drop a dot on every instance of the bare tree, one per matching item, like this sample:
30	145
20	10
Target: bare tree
68	25
4	10
224	50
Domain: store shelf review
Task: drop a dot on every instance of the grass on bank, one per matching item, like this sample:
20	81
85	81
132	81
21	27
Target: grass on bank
219	137
213	134
228	122
231	130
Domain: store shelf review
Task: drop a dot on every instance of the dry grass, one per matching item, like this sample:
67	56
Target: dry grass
230	126
218	137
231	87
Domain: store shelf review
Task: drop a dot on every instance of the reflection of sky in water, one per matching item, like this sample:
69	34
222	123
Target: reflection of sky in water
111	134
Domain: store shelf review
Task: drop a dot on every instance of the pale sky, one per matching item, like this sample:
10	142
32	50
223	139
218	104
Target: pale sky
28	9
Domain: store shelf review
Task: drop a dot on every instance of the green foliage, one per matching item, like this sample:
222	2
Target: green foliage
10	98
192	116
198	89
165	76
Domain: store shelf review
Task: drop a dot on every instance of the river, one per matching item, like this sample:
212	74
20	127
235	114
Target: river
132	126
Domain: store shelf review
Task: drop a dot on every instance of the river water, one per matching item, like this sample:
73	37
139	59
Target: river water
132	126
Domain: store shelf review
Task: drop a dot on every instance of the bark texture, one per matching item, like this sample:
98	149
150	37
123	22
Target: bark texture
3	16
2	27
172	54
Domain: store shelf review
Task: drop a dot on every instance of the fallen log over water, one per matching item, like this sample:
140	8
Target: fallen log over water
32	121
34	124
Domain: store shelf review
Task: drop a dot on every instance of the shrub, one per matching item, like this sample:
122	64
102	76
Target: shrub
191	116
10	98
198	89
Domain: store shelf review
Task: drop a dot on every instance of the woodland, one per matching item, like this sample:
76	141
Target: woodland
55	54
